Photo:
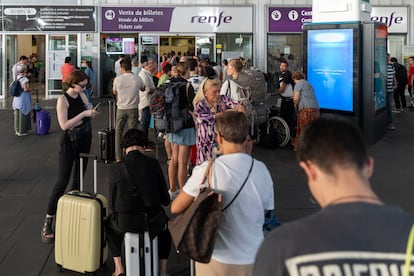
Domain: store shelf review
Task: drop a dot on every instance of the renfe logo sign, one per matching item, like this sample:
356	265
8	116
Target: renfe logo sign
291	19
178	19
394	17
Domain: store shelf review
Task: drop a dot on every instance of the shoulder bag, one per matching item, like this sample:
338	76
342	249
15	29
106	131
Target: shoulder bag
194	231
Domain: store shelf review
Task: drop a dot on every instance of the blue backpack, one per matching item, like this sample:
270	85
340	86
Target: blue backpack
16	88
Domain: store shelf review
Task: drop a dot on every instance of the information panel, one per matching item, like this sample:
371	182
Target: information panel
330	67
49	18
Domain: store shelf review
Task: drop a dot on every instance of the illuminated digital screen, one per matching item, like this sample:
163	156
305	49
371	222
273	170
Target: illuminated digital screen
330	67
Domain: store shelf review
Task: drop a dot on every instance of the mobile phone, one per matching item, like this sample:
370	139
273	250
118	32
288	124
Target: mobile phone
97	106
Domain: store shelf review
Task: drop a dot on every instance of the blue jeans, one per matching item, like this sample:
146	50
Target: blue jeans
390	97
145	120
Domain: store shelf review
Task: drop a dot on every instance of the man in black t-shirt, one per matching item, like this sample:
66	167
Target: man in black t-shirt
285	90
354	233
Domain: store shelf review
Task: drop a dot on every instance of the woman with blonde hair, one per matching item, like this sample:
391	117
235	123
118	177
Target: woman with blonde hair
208	103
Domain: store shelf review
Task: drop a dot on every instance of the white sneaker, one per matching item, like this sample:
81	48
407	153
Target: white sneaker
174	194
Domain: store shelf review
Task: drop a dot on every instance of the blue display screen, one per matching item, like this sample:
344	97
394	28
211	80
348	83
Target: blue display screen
330	67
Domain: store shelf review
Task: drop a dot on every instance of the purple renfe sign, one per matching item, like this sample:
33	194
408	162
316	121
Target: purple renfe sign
130	19
288	19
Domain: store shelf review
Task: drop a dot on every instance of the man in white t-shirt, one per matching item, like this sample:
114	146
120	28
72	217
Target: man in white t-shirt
240	232
126	88
117	66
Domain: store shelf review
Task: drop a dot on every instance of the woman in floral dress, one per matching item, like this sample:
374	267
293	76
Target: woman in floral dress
208	103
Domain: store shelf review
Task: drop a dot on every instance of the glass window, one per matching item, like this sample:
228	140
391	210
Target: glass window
287	46
112	45
234	46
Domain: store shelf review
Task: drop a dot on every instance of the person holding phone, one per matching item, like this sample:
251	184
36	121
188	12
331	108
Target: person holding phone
74	114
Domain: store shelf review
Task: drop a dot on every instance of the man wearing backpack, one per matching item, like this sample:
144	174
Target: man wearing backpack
402	80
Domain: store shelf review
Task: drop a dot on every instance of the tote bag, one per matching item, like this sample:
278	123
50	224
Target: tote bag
194	232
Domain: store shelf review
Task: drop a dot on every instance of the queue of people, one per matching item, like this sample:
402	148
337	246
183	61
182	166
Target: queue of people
330	151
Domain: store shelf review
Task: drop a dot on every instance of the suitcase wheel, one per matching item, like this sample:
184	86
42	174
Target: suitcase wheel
60	268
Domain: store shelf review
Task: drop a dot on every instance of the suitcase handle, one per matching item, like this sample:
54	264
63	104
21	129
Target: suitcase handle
111	114
95	171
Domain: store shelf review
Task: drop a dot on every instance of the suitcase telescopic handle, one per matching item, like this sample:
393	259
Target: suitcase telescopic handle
111	114
95	171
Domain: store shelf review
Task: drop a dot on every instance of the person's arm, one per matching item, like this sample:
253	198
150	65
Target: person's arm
296	95
202	114
114	88
85	100
282	88
182	201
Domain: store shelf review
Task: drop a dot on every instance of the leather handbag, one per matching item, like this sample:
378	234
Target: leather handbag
194	231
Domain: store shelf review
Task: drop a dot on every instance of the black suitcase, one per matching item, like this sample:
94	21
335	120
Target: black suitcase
107	136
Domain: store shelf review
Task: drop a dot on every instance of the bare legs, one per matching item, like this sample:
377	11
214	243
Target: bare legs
177	170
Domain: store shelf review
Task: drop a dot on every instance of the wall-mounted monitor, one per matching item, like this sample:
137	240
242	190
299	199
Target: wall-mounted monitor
120	45
332	65
114	45
129	45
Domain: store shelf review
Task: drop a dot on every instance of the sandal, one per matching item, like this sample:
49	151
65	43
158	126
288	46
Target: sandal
47	234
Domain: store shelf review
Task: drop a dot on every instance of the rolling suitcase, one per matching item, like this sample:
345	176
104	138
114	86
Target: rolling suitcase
42	122
80	243
36	107
141	254
107	136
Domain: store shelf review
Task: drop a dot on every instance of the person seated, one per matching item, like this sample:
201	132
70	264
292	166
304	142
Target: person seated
137	192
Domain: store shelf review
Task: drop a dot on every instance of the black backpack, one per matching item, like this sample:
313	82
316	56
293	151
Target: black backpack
16	88
165	106
401	74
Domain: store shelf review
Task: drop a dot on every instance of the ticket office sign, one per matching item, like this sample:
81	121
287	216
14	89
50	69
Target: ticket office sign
203	19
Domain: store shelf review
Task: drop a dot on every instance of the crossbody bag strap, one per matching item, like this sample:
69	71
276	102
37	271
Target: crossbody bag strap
244	183
228	93
207	175
129	178
409	252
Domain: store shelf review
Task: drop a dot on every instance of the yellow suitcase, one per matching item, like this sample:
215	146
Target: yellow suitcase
80	242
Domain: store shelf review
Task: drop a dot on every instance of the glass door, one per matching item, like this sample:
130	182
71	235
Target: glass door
11	59
205	46
59	47
149	47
